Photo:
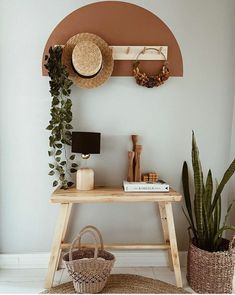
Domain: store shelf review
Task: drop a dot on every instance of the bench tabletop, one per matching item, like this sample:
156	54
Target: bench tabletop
111	194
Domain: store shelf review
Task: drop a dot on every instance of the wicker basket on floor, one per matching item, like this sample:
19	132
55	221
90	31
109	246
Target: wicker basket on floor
89	268
211	272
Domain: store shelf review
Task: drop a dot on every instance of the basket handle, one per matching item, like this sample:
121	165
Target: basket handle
96	235
96	232
231	244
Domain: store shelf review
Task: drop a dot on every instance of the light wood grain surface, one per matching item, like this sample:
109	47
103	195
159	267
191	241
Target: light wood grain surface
111	194
124	246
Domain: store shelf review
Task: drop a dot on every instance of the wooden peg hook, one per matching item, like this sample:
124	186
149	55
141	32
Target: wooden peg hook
128	50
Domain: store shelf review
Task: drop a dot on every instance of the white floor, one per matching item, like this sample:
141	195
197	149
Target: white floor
30	281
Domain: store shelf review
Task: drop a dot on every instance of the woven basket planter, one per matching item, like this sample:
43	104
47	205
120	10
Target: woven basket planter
211	272
89	268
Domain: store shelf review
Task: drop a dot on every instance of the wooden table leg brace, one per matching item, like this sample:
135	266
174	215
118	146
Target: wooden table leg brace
162	211
173	244
60	232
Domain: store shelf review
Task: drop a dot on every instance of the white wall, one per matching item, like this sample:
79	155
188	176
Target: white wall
202	100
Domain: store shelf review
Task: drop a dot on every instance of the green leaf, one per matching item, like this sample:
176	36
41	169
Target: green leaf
63	163
217	215
60	169
51	172
68	103
57	159
207	197
208	190
64	92
68	126
64	184
68	133
55	101
74	165
70	184
227	175
222	229
72	170
191	226
51	166
62	176
55	183
51	141
72	157
186	192
49	127
59	152
228	210
50	153
59	145
199	189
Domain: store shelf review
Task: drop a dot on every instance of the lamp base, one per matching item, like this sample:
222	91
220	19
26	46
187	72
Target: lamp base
85	179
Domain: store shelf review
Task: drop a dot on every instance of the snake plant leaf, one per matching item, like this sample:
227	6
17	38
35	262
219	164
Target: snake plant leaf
208	190
207	198
227	213
227	175
190	223
185	180
217	215
199	187
222	229
207	228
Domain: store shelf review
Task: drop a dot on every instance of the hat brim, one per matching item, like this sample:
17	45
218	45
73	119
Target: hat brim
107	61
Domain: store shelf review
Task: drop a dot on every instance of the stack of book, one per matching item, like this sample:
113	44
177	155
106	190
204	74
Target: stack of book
159	186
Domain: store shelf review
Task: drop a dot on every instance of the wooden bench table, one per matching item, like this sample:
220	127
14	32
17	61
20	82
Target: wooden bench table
67	198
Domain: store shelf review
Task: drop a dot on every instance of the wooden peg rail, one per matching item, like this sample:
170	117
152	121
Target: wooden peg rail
131	52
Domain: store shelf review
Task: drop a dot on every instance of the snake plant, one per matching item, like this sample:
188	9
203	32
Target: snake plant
204	210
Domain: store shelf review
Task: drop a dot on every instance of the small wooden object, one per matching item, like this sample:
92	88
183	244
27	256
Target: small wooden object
150	177
138	149
131	155
134	139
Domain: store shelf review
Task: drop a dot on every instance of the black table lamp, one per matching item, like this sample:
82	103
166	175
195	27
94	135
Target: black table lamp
86	143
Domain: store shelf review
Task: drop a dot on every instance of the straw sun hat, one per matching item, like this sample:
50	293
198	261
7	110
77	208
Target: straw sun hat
88	59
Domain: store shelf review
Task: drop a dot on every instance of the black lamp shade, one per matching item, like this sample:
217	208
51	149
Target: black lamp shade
86	142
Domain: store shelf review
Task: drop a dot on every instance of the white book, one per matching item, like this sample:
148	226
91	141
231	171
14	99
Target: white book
159	186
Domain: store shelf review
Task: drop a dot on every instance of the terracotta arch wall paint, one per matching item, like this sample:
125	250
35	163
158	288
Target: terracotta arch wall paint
120	23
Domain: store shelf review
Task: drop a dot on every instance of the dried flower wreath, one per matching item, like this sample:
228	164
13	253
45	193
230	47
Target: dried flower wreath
146	80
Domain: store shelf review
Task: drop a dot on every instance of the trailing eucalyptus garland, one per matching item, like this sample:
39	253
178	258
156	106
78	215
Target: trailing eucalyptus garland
60	122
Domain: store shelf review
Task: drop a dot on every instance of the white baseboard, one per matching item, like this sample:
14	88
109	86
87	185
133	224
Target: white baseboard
123	259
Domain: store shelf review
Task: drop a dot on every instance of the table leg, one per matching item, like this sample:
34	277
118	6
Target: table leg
64	231
173	244
162	210
60	230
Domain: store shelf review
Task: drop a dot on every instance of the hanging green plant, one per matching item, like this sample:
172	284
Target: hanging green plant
62	166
